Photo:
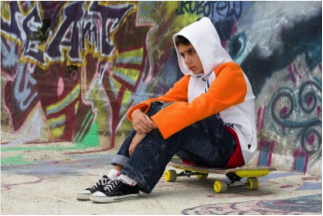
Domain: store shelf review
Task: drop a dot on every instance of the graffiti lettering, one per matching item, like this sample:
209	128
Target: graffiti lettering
9	57
78	22
85	32
66	36
208	8
20	94
78	28
10	27
24	95
111	17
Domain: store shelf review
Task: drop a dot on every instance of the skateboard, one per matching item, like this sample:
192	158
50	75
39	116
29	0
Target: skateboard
220	186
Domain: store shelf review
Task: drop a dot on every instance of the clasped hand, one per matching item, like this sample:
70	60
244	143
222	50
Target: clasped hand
142	123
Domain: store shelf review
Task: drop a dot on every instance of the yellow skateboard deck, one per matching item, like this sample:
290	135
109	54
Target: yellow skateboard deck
220	186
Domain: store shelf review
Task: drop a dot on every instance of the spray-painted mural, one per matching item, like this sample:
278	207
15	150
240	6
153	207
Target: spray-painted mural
70	71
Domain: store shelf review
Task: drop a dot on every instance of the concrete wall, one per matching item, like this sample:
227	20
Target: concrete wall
76	81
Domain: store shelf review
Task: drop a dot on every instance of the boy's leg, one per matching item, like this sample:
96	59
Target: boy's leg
119	160
122	156
208	141
211	144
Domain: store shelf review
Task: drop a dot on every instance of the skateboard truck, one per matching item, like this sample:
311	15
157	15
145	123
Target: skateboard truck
233	177
171	175
186	173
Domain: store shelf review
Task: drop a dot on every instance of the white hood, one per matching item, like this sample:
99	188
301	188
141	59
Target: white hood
206	41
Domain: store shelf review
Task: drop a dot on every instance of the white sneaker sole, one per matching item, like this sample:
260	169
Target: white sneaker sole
100	197
83	195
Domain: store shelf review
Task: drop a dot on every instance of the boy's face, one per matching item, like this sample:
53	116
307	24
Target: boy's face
191	59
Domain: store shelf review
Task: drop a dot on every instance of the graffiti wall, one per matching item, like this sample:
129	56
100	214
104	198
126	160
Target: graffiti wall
70	71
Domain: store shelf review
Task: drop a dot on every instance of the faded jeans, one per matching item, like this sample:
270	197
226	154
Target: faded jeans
206	142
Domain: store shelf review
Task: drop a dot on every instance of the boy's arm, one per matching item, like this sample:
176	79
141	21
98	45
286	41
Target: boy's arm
135	141
228	89
177	93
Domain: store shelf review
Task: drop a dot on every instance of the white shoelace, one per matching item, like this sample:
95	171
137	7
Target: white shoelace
112	185
102	181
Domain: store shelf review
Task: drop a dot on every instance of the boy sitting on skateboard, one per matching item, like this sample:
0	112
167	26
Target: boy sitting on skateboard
207	118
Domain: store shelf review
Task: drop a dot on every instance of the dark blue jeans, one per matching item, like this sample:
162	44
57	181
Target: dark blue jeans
206	142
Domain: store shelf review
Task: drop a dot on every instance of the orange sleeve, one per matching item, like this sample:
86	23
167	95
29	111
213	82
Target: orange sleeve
177	93
229	88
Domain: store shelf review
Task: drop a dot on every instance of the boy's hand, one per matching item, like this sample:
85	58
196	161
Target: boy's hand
141	122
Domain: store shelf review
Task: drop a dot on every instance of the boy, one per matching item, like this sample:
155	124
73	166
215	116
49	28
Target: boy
207	118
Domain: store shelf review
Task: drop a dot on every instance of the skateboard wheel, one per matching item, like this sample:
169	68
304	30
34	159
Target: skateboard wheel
252	183
220	186
170	175
201	176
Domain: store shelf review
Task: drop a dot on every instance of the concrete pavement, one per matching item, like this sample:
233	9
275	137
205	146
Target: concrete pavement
44	178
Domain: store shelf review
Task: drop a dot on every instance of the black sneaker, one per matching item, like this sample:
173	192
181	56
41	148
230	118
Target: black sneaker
98	186
115	190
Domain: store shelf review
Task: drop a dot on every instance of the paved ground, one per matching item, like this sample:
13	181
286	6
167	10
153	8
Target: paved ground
39	180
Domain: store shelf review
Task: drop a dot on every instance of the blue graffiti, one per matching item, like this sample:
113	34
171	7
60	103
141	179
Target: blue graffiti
209	8
23	91
8	54
309	127
237	47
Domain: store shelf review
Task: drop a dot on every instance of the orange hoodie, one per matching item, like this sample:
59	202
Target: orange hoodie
228	89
